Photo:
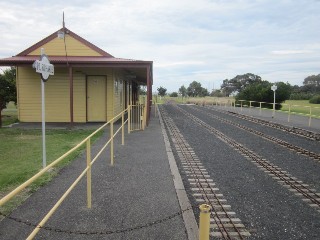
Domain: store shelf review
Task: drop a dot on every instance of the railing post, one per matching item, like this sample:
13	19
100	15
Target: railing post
274	109
310	116
204	222
122	126
289	113
88	173
241	105
145	115
260	108
111	143
250	107
129	118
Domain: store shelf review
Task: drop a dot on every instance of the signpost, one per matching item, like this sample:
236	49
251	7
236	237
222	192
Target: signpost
45	69
274	88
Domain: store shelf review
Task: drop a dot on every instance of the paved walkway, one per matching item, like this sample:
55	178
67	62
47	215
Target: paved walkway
138	190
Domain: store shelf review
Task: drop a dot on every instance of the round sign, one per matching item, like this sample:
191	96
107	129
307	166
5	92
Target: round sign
43	67
46	65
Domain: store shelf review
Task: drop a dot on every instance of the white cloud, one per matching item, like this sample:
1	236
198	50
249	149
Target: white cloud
204	40
288	52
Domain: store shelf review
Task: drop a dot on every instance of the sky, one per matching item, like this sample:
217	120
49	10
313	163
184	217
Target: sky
205	40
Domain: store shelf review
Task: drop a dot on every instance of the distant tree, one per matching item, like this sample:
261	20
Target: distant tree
183	91
283	91
196	90
312	80
216	93
7	89
162	91
238	83
173	94
142	91
261	92
204	92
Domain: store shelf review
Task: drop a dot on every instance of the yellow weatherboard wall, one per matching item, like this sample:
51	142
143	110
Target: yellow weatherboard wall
79	97
56	96
74	48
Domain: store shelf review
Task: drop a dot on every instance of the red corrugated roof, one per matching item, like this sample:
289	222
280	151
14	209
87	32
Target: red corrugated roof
17	60
23	58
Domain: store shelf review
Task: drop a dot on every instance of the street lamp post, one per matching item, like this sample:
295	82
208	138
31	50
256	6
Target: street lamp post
274	88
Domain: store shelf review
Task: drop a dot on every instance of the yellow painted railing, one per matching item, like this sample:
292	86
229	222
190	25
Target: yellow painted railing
137	117
310	112
86	171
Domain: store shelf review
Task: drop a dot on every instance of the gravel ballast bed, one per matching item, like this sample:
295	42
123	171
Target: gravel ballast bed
266	208
302	167
308	144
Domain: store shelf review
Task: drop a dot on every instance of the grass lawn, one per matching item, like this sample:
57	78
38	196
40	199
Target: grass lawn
301	106
9	114
195	100
21	157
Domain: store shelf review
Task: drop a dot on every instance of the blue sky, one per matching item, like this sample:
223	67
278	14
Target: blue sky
204	40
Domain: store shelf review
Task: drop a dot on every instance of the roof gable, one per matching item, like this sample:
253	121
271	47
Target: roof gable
75	46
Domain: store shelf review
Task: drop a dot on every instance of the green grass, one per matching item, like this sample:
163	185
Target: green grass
301	107
195	100
21	157
9	114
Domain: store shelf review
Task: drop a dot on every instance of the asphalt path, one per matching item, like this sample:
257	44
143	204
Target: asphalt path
134	199
265	207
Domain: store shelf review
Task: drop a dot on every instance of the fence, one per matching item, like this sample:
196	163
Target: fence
309	112
136	121
136	117
131	110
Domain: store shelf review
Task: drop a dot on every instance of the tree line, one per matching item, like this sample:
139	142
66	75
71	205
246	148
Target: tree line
252	87
7	89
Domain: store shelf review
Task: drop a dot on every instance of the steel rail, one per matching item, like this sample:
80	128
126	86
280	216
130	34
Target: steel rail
292	130
174	133
282	143
182	145
293	183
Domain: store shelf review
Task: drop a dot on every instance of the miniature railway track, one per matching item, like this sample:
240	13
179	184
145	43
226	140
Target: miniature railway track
223	221
278	141
293	130
310	196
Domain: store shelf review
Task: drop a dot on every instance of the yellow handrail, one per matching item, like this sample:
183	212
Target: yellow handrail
55	162
86	171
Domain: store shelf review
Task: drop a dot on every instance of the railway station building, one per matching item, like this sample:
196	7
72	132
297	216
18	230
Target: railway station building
88	85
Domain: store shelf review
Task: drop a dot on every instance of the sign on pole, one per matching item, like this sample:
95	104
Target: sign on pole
274	88
45	69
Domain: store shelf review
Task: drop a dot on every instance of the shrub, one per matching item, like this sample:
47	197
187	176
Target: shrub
301	96
315	99
174	94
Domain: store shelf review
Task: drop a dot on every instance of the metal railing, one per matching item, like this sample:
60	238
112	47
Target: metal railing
87	171
136	117
310	112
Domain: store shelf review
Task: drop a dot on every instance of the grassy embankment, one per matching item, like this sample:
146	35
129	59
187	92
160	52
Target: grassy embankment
301	107
297	106
21	156
195	100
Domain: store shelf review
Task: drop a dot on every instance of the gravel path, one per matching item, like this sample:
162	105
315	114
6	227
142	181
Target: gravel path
266	208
